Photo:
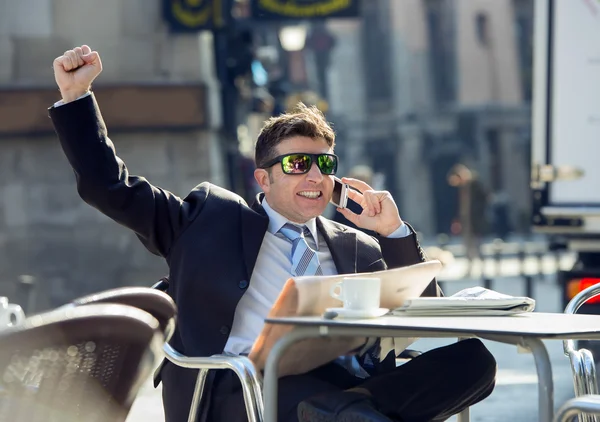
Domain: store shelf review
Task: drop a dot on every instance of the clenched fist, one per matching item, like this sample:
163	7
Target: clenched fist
75	71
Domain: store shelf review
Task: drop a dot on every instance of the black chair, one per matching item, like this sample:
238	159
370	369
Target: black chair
77	364
155	302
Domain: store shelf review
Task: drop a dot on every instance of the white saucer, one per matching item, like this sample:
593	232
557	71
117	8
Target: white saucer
357	313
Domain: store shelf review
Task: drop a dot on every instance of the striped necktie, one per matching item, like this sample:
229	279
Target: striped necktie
304	259
306	262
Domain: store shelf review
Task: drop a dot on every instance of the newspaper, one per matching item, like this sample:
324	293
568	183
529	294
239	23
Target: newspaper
309	296
472	301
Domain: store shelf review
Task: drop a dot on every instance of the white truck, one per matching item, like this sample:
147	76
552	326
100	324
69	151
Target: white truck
565	153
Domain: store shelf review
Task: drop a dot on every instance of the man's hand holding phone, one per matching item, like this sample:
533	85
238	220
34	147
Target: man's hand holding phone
339	196
380	212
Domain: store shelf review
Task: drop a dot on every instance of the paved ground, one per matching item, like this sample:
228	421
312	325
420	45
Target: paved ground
515	397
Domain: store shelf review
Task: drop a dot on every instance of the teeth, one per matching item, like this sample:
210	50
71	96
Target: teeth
311	195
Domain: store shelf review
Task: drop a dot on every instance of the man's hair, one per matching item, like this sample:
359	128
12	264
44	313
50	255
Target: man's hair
302	121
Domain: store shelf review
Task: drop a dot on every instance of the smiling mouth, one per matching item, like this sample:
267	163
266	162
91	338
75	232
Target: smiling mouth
310	195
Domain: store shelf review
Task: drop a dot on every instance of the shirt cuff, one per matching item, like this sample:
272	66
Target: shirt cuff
61	102
402	231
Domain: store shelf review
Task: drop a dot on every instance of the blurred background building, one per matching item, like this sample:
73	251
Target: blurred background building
438	82
412	87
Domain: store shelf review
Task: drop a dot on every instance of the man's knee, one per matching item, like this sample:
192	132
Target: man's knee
477	360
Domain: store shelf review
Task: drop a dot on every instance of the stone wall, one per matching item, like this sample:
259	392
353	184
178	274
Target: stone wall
46	230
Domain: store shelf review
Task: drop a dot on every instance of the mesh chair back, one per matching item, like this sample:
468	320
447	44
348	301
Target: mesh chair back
77	364
157	303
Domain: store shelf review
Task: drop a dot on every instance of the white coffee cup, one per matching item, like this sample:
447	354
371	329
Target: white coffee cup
10	314
358	293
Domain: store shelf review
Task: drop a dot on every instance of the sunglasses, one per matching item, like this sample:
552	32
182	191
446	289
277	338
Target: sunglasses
301	163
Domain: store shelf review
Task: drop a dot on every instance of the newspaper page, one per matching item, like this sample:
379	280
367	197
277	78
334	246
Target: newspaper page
309	296
472	301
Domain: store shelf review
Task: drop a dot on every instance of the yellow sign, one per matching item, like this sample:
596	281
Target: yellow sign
193	15
303	9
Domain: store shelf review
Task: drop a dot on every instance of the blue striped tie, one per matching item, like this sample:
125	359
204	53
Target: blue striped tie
304	260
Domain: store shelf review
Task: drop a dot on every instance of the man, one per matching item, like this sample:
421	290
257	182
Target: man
229	261
472	209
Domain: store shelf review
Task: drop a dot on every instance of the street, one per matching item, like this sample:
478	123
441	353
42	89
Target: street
515	397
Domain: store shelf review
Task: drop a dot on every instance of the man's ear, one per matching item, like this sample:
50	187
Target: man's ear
262	178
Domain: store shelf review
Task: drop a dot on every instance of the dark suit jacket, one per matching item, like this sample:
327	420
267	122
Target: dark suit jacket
210	240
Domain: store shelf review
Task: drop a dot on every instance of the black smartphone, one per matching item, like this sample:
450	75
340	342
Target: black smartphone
339	198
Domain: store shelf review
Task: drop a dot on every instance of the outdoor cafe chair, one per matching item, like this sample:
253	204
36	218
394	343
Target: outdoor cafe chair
583	368
582	361
77	364
157	303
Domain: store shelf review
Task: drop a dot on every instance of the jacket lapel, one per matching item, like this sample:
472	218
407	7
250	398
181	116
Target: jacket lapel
254	226
342	245
255	222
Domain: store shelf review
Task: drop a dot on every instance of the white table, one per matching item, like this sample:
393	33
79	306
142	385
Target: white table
526	330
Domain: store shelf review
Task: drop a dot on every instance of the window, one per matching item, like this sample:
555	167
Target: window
524	39
441	50
376	52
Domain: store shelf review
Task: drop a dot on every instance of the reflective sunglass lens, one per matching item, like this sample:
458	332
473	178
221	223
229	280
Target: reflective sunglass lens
296	163
327	164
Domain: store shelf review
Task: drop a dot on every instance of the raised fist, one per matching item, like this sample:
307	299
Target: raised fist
75	71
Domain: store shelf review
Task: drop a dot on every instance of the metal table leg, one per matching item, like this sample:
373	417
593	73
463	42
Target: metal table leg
544	372
272	367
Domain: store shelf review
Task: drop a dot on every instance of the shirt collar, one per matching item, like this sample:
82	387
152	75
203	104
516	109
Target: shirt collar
277	221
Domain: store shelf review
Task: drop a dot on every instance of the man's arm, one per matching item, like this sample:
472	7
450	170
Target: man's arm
404	251
103	181
380	213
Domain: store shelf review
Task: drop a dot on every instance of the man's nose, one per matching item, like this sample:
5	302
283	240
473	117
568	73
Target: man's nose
314	174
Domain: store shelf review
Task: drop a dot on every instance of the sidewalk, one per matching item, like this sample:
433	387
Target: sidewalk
147	407
511	246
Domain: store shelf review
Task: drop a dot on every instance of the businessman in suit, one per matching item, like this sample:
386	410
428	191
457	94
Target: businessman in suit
228	262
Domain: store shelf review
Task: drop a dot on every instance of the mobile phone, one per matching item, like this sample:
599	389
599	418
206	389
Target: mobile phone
339	198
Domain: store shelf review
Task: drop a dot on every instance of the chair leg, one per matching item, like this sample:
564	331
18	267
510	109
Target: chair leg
578	372
197	397
257	390
590	371
584	378
591	386
252	402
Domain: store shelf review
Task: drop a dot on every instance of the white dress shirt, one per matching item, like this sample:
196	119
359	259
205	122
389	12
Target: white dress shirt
272	269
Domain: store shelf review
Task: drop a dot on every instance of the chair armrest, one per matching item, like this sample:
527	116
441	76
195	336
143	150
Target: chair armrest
241	365
235	363
588	404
